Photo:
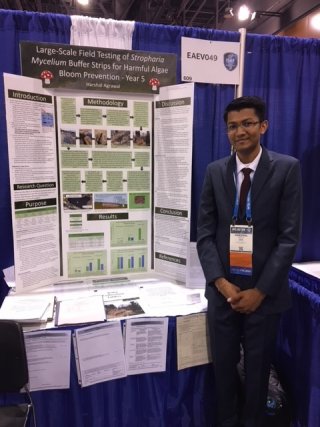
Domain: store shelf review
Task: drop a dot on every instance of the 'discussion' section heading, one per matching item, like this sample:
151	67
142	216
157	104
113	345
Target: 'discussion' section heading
180	102
89	68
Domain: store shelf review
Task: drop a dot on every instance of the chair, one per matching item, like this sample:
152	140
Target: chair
13	373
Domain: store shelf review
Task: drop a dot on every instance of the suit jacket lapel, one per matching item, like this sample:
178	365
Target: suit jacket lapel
261	174
229	178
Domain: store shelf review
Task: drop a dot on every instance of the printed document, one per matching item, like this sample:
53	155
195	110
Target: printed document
146	345
99	353
80	310
48	355
193	347
168	299
26	309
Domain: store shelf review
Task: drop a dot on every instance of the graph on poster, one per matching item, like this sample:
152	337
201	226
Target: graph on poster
87	263
128	233
129	261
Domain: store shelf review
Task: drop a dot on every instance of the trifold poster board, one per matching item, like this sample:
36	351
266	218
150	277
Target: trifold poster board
81	177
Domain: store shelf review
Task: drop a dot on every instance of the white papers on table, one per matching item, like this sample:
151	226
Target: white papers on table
80	310
48	355
193	346
165	294
195	276
26	308
99	353
119	292
146	345
312	268
167	299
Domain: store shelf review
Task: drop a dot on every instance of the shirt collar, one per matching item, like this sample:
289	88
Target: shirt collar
253	165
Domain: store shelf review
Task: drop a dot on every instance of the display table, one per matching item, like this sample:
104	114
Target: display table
172	398
186	398
298	350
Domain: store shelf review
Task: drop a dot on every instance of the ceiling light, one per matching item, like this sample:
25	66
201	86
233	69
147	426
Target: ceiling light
315	21
83	2
228	13
243	13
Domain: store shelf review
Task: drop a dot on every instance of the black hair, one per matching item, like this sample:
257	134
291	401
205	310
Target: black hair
253	102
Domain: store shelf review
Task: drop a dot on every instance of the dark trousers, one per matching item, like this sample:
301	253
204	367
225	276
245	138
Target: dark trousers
257	333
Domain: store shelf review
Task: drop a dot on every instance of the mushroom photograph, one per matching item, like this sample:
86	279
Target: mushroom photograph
68	137
101	137
85	137
141	139
120	138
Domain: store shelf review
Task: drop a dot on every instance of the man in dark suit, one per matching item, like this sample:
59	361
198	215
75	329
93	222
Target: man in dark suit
246	252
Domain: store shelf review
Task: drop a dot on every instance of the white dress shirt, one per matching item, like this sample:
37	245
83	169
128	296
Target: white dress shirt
253	165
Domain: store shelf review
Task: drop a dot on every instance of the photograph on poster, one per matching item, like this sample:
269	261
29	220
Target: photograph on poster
68	137
85	136
101	138
77	201
47	119
139	200
110	201
120	138
141	139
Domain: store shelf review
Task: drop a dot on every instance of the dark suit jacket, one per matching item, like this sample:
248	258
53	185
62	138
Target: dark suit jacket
276	217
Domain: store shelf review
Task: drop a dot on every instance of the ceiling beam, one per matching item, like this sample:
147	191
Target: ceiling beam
157	14
5	3
66	7
18	4
217	14
125	11
294	12
104	10
196	13
182	7
39	5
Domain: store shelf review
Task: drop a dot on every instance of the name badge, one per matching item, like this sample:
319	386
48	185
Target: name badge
241	247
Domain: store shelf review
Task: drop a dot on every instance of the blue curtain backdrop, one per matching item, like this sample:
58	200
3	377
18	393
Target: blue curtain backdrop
15	27
282	70
285	72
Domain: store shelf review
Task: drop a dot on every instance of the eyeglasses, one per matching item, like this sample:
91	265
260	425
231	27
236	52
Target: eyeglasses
246	125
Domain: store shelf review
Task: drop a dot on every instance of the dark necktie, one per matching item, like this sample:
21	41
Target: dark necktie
245	186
